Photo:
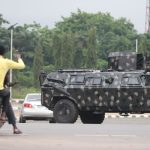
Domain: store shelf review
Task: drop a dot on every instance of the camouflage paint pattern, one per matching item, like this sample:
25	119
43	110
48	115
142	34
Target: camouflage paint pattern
99	91
124	87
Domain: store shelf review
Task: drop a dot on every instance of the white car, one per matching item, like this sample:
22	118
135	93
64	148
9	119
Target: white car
33	110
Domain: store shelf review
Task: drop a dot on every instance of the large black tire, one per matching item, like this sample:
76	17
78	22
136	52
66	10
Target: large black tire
22	120
65	111
91	118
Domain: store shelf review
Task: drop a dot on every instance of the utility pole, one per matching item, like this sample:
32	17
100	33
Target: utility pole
147	21
136	46
11	28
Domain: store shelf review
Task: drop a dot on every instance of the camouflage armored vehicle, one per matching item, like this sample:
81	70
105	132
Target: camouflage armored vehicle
92	93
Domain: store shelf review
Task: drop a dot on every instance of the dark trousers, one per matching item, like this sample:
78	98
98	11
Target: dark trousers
7	108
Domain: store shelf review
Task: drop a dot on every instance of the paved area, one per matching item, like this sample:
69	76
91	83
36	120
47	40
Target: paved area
114	134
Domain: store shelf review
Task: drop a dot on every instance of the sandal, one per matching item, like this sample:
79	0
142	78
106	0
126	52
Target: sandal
17	131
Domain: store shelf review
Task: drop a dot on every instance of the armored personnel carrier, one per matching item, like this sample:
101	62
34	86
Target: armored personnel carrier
124	88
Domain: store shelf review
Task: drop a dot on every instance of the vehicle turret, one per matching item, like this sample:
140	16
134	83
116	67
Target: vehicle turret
125	61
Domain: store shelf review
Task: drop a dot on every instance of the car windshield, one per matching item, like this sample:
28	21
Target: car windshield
34	97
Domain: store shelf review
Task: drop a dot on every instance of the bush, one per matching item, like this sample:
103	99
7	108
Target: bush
20	92
102	64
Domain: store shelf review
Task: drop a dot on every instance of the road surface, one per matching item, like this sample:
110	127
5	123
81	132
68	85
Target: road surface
114	134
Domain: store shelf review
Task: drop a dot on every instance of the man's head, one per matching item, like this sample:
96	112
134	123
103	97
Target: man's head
2	50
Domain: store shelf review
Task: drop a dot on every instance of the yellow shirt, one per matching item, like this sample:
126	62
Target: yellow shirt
5	65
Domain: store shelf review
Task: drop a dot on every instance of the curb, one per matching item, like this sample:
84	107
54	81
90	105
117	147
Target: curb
107	116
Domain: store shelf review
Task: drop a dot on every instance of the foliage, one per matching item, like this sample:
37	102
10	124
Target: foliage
21	92
37	63
82	40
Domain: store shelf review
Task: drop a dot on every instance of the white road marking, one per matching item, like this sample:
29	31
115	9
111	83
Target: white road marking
92	135
105	135
124	135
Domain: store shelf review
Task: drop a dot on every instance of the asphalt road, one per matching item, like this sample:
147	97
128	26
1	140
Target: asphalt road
114	134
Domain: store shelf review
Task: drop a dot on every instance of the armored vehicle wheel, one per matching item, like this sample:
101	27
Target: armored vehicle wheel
22	120
92	118
65	111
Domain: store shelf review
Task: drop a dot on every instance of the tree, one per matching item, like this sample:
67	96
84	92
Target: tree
78	56
82	40
91	49
4	33
67	50
37	63
2	20
56	47
144	43
111	34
